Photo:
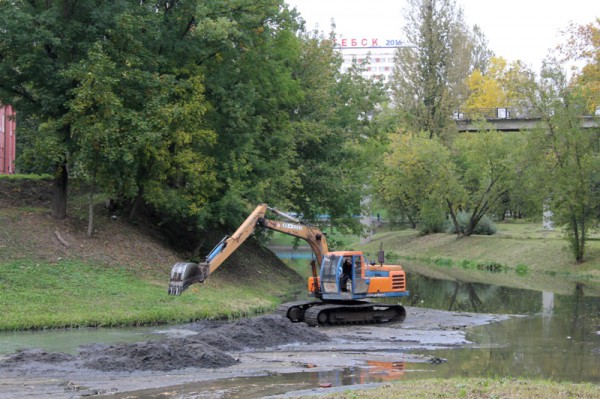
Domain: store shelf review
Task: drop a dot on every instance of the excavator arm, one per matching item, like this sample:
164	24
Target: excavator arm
184	274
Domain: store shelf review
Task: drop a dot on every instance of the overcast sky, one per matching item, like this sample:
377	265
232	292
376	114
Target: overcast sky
515	29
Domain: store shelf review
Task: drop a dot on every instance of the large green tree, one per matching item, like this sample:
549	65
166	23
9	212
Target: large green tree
568	157
108	82
190	110
336	139
486	165
418	181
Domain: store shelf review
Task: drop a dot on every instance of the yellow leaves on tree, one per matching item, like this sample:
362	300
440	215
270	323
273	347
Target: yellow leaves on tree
499	87
583	44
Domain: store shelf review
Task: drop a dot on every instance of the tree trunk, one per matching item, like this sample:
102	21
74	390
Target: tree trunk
60	191
459	232
137	204
90	229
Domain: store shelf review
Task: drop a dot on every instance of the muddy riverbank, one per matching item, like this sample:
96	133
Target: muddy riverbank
208	351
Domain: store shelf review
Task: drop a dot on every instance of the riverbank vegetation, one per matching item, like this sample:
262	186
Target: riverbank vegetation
120	276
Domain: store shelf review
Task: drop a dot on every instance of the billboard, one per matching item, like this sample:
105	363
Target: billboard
367	42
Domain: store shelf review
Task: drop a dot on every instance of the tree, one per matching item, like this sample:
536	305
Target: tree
502	86
568	157
254	91
419	181
126	150
583	45
482	54
567	154
486	165
431	70
48	50
336	137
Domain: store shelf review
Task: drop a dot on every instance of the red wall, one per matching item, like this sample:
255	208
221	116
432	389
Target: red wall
8	140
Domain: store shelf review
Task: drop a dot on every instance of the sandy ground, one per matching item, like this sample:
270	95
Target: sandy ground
202	352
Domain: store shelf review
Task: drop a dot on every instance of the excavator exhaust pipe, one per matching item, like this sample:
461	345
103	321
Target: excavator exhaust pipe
184	274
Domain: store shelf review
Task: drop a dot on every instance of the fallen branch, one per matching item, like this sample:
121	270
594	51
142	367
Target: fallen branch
62	240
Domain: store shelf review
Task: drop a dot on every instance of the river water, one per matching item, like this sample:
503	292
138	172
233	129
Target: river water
555	337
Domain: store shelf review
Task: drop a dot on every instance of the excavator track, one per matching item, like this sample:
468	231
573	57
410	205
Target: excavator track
358	313
294	311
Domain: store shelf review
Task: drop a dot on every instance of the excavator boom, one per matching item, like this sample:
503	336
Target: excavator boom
184	274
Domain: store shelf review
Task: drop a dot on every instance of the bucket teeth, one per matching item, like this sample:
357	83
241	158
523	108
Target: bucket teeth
184	274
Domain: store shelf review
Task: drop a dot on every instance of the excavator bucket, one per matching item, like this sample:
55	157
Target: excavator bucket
184	274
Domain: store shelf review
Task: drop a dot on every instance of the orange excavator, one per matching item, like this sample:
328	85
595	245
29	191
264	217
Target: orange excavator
342	281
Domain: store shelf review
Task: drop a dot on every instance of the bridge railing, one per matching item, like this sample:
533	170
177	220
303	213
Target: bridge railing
503	113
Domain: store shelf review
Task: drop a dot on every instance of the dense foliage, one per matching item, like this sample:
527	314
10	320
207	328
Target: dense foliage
190	111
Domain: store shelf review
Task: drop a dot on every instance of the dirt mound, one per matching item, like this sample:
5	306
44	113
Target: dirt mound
166	355
258	332
207	349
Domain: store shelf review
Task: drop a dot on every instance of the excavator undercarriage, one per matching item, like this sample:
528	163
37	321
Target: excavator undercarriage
316	313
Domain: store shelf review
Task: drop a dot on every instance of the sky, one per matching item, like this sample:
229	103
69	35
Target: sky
515	29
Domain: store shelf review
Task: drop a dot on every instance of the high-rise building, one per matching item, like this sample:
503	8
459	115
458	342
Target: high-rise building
380	51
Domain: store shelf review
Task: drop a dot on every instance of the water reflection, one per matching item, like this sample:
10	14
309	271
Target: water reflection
265	386
559	340
471	297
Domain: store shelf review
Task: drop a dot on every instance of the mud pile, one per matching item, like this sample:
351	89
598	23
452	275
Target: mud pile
164	355
207	349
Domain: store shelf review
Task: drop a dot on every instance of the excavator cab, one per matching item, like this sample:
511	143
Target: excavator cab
342	276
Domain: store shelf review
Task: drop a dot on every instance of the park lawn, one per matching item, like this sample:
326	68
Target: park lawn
69	293
472	388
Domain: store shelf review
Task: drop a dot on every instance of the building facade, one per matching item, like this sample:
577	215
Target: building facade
380	52
8	125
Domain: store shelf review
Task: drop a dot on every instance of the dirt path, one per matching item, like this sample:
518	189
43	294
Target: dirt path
217	351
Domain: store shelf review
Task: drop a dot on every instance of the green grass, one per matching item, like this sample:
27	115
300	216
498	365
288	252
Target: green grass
472	388
25	177
72	294
520	255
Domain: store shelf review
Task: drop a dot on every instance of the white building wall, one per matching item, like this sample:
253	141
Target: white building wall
381	52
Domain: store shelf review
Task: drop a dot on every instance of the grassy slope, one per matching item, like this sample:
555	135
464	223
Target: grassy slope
120	276
526	256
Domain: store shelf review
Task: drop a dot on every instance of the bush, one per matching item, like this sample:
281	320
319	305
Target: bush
485	226
432	219
522	269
